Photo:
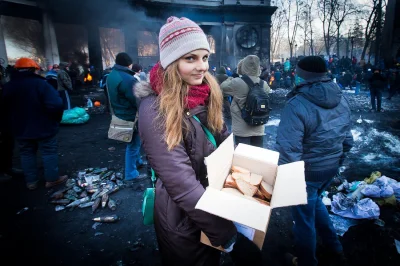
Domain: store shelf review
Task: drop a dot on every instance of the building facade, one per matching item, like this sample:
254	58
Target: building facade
234	28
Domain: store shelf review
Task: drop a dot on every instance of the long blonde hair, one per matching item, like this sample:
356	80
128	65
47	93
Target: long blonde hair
172	104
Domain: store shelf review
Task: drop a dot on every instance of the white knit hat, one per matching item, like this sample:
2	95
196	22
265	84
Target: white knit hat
179	37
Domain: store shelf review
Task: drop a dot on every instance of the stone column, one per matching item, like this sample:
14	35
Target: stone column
50	40
222	52
265	45
230	46
94	47
3	51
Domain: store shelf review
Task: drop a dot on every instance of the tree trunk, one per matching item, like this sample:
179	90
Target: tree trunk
327	45
338	42
364	51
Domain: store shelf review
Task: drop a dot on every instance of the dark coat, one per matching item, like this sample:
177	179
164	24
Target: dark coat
182	179
315	126
119	85
33	108
377	81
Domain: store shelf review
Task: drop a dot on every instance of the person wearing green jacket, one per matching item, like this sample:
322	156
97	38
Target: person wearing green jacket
120	84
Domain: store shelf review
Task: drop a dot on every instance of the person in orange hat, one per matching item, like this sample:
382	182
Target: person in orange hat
33	110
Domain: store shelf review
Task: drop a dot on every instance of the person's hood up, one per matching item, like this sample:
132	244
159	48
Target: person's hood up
322	92
251	66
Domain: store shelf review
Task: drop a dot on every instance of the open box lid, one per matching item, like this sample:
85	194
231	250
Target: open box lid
258	160
225	205
290	185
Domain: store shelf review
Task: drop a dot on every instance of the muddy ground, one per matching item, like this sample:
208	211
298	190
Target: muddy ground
42	236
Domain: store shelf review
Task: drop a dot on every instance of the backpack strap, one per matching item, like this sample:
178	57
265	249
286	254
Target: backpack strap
248	81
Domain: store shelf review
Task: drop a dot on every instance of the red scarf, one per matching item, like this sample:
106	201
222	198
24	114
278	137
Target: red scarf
198	95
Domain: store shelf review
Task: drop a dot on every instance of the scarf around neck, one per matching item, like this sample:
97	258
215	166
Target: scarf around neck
197	95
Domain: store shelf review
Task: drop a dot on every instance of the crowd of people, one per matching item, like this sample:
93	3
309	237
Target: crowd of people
174	108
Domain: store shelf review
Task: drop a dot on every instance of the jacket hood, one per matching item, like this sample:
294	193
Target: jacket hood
143	89
123	68
322	92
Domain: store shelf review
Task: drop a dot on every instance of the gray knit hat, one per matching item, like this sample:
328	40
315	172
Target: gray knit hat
179	37
250	66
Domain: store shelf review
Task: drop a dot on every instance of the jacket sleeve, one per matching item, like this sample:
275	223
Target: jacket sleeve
266	87
178	177
227	88
52	101
66	80
289	140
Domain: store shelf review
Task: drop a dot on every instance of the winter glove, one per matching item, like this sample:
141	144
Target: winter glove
245	252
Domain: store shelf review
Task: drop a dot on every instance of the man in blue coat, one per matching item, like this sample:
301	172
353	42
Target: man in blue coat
314	128
120	84
33	110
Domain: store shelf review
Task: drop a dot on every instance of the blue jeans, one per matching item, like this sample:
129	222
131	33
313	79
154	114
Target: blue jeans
310	219
132	157
48	149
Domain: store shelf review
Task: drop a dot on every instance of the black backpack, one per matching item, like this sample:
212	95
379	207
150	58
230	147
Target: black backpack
256	109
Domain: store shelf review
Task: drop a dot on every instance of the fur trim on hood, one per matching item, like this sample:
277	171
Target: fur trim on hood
142	89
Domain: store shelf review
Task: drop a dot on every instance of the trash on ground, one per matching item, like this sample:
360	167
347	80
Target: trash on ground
98	234
379	222
23	210
342	224
397	243
94	226
90	186
106	219
352	208
59	208
391	201
325	200
380	188
75	116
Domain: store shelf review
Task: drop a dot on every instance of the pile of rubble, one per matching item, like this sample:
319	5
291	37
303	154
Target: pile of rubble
91	188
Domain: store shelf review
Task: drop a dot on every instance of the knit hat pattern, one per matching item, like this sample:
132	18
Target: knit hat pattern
250	66
178	37
311	67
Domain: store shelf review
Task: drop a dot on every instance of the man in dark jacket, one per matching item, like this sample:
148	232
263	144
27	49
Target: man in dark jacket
6	144
33	110
314	128
120	84
377	84
64	84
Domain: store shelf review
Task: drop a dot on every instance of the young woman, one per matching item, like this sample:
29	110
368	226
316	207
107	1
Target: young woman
182	90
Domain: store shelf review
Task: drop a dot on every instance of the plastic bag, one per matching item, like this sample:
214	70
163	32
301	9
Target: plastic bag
379	189
75	116
351	208
395	185
342	224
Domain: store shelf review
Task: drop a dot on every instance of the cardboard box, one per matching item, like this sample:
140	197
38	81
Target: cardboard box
250	216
